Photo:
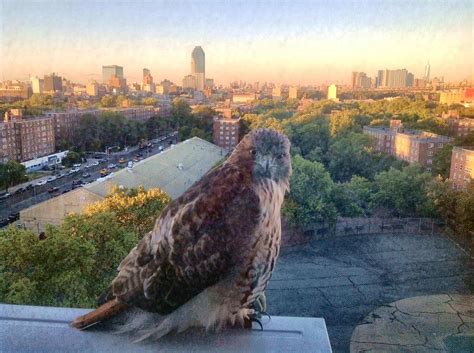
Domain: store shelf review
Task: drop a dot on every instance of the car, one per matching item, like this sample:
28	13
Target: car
93	164
86	175
19	191
59	176
54	189
75	170
14	217
121	160
29	187
5	196
111	166
50	179
77	165
4	222
104	172
41	182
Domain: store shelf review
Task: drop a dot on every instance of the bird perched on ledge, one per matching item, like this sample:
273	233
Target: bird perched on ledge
211	253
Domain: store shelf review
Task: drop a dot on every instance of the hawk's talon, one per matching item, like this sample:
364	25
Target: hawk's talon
253	319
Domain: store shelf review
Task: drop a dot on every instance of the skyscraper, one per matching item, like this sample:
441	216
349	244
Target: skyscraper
360	80
110	71
53	83
198	67
399	78
332	92
427	72
37	85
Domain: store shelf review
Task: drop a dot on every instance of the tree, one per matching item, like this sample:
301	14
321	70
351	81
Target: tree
255	121
12	173
87	137
309	200
71	159
150	101
134	209
107	101
180	111
353	198
77	260
442	161
351	155
403	192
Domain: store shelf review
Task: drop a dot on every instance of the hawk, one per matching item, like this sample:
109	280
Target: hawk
211	253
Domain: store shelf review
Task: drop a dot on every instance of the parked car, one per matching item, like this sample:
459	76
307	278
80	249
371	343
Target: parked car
54	189
19	191
50	179
4	222
77	165
29	187
86	175
41	182
75	170
121	160
5	196
14	217
111	166
104	172
94	164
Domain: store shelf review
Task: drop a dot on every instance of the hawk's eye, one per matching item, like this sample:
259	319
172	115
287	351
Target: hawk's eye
253	152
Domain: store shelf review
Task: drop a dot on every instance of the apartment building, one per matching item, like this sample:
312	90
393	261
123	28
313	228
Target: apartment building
66	123
384	138
462	166
26	138
411	146
141	114
226	132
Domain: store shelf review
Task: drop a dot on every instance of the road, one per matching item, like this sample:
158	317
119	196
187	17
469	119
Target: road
19	201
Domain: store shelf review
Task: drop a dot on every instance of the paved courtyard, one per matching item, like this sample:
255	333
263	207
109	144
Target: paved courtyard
343	279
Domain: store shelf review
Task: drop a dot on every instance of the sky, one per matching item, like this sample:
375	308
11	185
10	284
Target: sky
294	42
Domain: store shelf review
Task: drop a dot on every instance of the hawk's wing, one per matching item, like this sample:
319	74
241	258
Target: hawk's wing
198	239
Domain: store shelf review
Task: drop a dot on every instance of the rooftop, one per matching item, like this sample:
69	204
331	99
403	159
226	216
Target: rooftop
173	170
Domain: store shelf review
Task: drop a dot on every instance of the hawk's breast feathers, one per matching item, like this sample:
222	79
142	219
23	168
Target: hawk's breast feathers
214	229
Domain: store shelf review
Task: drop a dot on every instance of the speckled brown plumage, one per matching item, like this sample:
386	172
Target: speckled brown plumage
226	227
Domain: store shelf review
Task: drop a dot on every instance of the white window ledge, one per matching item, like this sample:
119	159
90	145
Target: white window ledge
46	329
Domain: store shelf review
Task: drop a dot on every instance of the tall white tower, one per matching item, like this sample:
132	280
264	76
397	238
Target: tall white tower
198	67
427	72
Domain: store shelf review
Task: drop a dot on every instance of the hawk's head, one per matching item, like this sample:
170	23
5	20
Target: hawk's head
267	153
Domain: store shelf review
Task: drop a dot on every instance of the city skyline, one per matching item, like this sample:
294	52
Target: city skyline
294	43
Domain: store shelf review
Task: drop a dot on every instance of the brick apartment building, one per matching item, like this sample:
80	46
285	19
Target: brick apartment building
66	123
141	114
23	139
458	126
462	166
226	132
411	146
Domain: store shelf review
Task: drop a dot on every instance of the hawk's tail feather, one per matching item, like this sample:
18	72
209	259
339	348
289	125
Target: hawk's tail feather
103	312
